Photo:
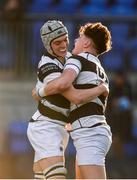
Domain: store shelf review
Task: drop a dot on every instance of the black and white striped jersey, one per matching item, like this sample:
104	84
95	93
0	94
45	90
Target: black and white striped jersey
55	107
89	74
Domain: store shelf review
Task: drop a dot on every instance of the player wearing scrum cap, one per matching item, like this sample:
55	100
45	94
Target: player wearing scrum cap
46	130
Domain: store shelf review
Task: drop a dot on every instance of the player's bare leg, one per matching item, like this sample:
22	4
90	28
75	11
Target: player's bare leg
38	173
92	172
53	167
77	170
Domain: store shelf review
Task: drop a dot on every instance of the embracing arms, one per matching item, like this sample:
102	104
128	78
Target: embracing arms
63	85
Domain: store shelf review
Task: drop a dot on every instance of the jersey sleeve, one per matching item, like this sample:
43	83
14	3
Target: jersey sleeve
48	72
73	63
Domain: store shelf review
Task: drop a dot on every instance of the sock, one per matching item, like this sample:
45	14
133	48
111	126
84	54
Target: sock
39	175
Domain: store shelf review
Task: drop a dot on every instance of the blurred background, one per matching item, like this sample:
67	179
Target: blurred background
20	52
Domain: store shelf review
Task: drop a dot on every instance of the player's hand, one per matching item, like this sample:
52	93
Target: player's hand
105	89
35	96
68	127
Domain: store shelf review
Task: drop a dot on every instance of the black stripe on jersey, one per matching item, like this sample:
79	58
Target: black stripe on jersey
88	86
84	86
102	99
86	64
58	100
47	69
50	113
85	110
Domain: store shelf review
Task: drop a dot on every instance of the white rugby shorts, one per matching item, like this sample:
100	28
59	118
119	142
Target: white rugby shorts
92	144
47	138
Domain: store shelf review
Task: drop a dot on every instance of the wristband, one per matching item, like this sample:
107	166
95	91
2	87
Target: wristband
41	92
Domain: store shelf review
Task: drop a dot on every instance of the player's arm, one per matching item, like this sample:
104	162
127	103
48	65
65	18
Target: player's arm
46	74
70	73
78	96
59	84
63	85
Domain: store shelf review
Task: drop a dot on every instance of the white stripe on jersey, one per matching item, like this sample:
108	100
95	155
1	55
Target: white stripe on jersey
73	64
50	77
47	79
84	76
46	60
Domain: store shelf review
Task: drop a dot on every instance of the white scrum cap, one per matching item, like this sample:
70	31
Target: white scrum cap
51	30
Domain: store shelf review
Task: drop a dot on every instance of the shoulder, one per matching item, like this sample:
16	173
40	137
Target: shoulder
47	65
78	56
45	60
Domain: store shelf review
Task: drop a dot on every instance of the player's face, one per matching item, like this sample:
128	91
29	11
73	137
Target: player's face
60	46
79	42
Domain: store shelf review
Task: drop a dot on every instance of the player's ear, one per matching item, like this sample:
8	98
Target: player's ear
87	43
